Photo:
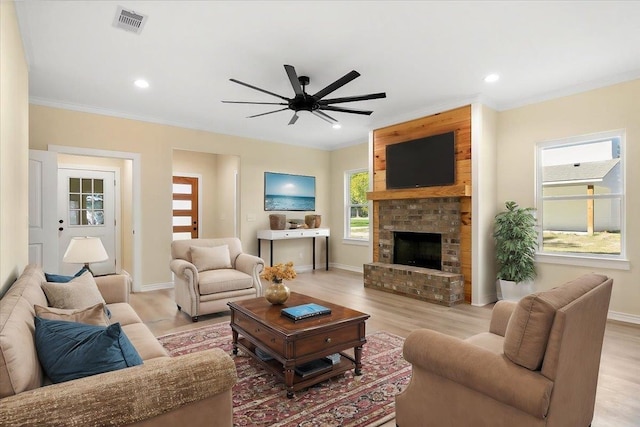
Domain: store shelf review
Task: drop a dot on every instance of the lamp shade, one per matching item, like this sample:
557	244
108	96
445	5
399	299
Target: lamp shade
84	250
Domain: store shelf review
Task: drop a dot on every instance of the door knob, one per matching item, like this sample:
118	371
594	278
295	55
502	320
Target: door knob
60	228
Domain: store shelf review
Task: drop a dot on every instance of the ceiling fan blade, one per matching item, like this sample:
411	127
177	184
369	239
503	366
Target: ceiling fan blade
294	118
293	77
353	98
324	116
337	84
264	114
258	89
345	110
250	102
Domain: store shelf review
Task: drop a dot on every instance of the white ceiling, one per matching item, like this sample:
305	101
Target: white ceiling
427	56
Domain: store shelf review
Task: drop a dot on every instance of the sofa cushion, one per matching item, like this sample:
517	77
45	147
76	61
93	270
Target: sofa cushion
58	278
19	366
215	281
123	313
70	350
144	341
93	315
528	330
81	292
213	258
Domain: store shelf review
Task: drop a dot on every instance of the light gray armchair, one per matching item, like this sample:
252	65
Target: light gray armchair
209	273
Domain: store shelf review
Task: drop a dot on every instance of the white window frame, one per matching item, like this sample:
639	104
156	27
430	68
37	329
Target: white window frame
619	262
347	210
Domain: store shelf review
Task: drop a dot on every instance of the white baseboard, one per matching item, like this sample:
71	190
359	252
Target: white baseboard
624	317
156	286
347	267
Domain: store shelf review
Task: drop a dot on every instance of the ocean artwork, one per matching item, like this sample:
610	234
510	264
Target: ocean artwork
285	192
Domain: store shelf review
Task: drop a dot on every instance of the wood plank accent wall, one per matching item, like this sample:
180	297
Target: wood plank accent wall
458	120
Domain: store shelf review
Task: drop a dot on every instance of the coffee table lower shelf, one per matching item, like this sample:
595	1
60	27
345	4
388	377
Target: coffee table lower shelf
277	368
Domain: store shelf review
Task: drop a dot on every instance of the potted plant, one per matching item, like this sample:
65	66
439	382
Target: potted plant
516	240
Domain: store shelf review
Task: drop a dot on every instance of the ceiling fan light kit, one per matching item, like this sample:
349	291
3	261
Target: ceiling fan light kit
316	104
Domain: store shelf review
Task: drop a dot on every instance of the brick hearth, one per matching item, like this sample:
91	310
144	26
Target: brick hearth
430	215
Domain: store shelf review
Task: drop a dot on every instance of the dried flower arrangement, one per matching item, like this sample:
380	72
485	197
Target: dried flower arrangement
279	272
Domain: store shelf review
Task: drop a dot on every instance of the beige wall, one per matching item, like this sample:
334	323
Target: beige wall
14	149
155	144
613	107
483	156
227	168
343	254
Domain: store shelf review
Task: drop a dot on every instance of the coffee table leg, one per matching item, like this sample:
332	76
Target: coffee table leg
357	351
288	380
234	334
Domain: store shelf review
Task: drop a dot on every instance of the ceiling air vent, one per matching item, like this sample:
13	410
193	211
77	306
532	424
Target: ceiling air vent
129	20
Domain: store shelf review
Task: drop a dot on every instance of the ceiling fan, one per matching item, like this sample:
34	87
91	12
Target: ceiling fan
316	103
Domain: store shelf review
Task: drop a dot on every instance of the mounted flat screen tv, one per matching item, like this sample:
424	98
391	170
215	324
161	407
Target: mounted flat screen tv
284	192
424	162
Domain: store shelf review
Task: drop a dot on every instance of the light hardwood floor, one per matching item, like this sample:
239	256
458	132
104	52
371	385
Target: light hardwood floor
617	400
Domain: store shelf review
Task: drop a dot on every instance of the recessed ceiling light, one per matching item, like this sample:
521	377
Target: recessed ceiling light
141	83
491	78
336	126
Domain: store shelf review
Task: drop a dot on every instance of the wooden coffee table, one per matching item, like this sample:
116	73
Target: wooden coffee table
291	344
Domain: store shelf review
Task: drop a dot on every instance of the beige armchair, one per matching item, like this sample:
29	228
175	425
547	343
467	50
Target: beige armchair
537	365
209	273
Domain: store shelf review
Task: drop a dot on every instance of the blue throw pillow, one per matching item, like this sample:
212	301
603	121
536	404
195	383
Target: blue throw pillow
70	350
57	278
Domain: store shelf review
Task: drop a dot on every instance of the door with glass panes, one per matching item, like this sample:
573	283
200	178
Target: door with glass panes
185	208
86	207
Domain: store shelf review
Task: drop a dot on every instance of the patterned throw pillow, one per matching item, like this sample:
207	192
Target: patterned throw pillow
81	292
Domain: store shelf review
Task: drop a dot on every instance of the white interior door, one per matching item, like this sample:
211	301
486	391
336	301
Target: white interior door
86	207
43	225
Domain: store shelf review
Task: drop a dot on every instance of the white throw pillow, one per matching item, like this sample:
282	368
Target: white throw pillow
81	292
214	258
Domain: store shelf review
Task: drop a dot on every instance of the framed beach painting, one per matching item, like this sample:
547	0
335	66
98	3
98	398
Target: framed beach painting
285	192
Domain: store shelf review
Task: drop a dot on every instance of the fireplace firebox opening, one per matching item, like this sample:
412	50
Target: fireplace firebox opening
418	249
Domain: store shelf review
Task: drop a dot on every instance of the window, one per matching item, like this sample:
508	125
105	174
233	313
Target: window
581	197
86	196
356	205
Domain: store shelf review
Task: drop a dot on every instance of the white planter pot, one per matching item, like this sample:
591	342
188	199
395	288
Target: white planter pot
512	291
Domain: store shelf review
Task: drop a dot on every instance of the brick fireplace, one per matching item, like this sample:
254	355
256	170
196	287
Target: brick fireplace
418	221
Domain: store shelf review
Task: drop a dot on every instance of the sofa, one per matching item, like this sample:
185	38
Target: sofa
536	366
209	273
193	389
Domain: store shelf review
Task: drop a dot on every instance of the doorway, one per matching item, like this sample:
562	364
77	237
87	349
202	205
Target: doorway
88	202
185	207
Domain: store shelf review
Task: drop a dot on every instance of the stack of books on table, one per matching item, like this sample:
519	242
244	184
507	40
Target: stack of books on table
263	355
305	311
314	367
334	358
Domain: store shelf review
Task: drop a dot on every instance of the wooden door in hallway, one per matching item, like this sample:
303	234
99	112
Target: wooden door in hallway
185	207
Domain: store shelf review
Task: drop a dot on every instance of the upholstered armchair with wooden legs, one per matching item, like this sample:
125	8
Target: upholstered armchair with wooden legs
209	273
537	366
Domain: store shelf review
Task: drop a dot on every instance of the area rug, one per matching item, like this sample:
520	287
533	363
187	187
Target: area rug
259	398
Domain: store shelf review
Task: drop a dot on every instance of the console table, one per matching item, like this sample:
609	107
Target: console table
307	233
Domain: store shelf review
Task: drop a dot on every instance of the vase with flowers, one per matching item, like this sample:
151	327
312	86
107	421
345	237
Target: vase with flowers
277	292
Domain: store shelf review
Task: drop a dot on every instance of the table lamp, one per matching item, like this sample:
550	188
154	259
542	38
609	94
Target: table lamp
85	250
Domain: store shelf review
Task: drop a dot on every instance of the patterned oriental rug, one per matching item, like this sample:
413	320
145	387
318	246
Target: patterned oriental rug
259	398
